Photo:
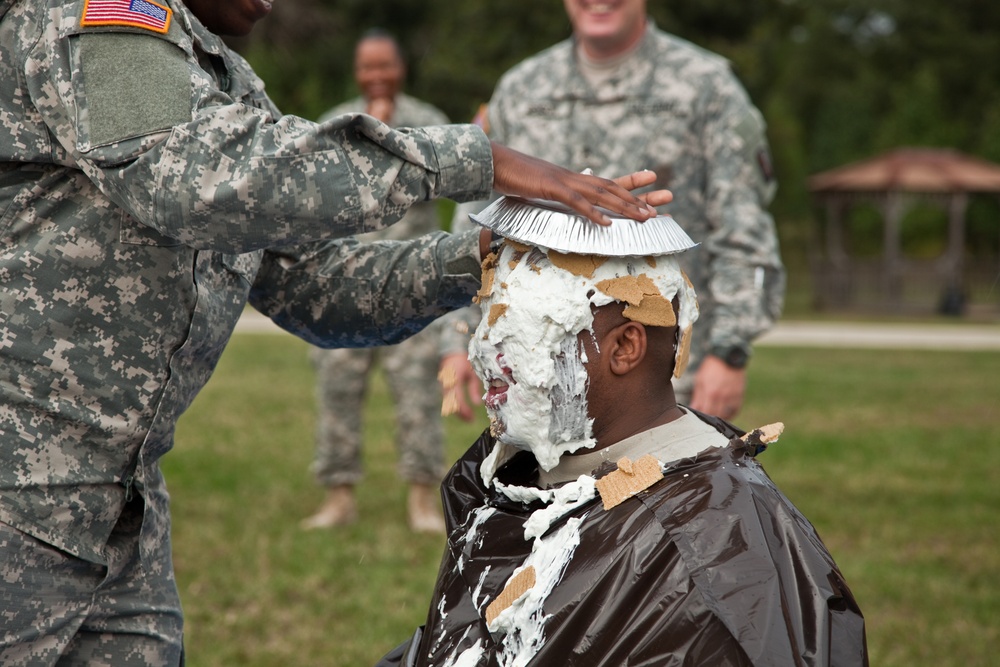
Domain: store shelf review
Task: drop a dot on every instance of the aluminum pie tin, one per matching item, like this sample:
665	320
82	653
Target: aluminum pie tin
553	226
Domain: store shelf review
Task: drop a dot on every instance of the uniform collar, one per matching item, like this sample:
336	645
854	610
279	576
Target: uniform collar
636	71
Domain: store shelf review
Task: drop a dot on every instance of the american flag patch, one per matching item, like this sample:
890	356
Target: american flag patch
132	13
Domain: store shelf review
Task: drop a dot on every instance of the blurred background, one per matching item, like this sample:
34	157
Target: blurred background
838	81
890	449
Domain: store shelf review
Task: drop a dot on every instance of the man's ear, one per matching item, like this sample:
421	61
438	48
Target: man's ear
628	347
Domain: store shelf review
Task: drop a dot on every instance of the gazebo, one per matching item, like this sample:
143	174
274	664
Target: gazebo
894	183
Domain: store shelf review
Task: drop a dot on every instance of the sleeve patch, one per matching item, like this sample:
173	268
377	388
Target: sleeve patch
133	85
132	13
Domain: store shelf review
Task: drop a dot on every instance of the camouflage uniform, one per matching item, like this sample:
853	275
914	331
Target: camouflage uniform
410	367
678	110
148	190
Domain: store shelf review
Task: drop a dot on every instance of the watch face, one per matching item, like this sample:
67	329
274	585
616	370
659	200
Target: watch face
734	356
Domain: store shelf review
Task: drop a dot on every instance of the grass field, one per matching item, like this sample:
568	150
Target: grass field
892	455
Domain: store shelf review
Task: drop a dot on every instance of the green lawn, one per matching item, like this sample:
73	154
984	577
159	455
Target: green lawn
892	455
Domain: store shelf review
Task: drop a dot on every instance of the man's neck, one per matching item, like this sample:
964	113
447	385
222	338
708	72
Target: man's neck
676	439
598	71
628	425
602	53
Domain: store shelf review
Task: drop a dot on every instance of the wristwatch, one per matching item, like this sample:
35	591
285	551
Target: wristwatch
735	356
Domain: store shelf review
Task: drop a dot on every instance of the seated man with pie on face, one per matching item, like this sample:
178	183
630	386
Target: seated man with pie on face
598	522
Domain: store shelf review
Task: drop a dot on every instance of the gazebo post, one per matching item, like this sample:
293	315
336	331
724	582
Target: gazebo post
953	298
891	251
836	281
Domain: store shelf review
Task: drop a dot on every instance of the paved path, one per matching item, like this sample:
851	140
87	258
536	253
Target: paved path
883	336
800	333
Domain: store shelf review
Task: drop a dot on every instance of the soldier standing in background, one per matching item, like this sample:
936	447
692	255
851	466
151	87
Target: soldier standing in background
150	189
619	96
411	366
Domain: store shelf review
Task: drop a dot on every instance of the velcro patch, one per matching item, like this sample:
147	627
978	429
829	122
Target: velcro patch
132	13
151	94
630	478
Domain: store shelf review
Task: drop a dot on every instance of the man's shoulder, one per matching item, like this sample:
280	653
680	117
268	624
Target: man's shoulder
413	111
410	111
353	105
550	65
666	47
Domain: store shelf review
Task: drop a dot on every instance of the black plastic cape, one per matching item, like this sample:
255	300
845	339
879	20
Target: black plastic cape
712	565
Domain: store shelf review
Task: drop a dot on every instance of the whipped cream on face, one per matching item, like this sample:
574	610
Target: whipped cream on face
526	352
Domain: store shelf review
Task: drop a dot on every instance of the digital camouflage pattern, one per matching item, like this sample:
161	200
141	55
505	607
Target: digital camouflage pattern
421	218
410	370
148	189
410	367
124	612
678	110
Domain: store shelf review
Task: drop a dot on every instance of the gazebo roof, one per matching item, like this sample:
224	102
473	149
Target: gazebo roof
933	170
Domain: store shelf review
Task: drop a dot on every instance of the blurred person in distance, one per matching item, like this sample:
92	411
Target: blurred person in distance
621	95
410	367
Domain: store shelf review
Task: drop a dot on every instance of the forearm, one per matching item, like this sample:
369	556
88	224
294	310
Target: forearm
747	301
746	278
346	294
